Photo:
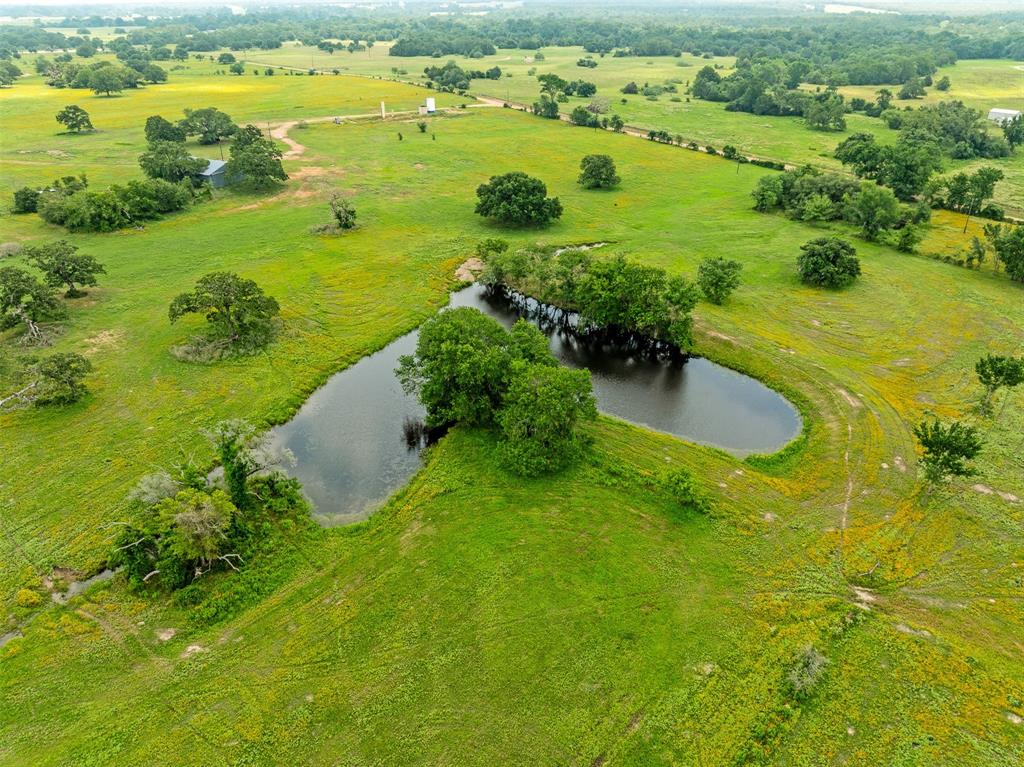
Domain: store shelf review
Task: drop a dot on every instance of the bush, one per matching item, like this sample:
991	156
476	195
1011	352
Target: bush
26	200
598	172
828	262
685	490
805	674
28	598
718	277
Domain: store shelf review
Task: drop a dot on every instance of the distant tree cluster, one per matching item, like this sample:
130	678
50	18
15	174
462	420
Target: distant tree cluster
810	195
950	127
468	369
453	78
103	77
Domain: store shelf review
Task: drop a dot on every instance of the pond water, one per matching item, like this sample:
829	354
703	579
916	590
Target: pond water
350	446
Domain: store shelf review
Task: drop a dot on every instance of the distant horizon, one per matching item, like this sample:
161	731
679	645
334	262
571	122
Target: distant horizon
783	6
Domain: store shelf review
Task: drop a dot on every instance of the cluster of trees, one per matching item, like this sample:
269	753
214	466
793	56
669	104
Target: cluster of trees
811	195
254	160
117	207
185	525
561	89
453	78
1006	243
468	369
638	305
966	192
102	77
845	50
69	202
29	301
907	168
173	180
9	72
951	127
436	44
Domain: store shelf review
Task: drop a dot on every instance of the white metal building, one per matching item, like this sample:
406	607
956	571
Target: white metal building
1003	115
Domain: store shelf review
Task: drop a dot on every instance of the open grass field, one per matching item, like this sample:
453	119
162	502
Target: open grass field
979	83
478	618
783	139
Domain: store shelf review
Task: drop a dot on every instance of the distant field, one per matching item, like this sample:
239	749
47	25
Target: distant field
34	143
981	84
784	139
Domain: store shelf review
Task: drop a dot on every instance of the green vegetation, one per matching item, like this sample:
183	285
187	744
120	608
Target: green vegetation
239	313
516	199
948	450
677	603
597	171
718	277
828	262
74	118
62	265
468	369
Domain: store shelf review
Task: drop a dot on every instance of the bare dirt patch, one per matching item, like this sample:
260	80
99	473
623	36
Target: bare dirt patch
850	399
166	635
105	339
905	629
193	649
307	171
469	270
864	597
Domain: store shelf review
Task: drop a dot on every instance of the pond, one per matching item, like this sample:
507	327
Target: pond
349	440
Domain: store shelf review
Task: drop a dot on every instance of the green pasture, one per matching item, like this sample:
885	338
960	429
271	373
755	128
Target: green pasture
578	619
979	83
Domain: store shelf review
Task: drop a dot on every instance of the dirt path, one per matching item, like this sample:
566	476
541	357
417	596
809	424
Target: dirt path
280	130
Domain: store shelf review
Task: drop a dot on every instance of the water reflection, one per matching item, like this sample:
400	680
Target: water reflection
350	437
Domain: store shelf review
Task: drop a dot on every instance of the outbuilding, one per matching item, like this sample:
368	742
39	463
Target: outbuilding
1002	116
215	173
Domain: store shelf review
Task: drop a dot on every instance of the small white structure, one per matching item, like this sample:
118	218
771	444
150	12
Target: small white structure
1003	115
431	105
383	113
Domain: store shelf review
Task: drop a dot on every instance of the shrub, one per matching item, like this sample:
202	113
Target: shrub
805	674
598	172
26	200
718	277
828	262
685	490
